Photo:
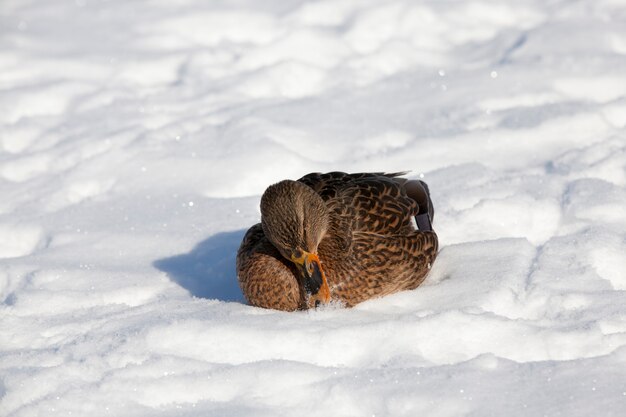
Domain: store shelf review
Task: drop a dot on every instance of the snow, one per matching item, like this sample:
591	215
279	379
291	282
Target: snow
137	137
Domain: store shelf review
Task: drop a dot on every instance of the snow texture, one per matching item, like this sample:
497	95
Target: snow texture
137	136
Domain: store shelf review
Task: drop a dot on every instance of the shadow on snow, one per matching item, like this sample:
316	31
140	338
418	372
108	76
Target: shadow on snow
208	271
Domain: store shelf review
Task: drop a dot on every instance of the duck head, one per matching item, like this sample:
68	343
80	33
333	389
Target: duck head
295	219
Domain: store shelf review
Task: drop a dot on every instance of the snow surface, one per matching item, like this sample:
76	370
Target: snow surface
137	136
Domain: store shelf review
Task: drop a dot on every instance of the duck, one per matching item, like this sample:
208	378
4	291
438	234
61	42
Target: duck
337	238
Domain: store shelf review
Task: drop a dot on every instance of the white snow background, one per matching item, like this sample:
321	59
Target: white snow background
137	136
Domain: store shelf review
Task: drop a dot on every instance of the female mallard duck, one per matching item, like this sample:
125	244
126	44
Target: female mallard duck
337	236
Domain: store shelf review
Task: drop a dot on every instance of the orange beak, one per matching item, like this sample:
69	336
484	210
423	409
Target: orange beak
315	281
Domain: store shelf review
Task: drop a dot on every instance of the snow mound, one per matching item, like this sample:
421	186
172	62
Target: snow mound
136	139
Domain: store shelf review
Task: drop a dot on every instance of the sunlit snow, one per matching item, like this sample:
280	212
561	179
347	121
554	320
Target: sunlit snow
136	138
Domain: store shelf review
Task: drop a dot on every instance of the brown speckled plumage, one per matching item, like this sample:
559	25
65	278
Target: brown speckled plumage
361	227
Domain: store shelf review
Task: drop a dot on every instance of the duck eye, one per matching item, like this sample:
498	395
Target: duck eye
297	254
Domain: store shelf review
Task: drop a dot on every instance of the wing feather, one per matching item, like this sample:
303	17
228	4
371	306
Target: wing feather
373	202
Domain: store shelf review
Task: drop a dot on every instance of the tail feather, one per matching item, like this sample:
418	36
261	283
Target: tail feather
418	191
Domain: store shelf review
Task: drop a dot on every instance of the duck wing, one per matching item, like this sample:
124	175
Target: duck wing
372	217
369	202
